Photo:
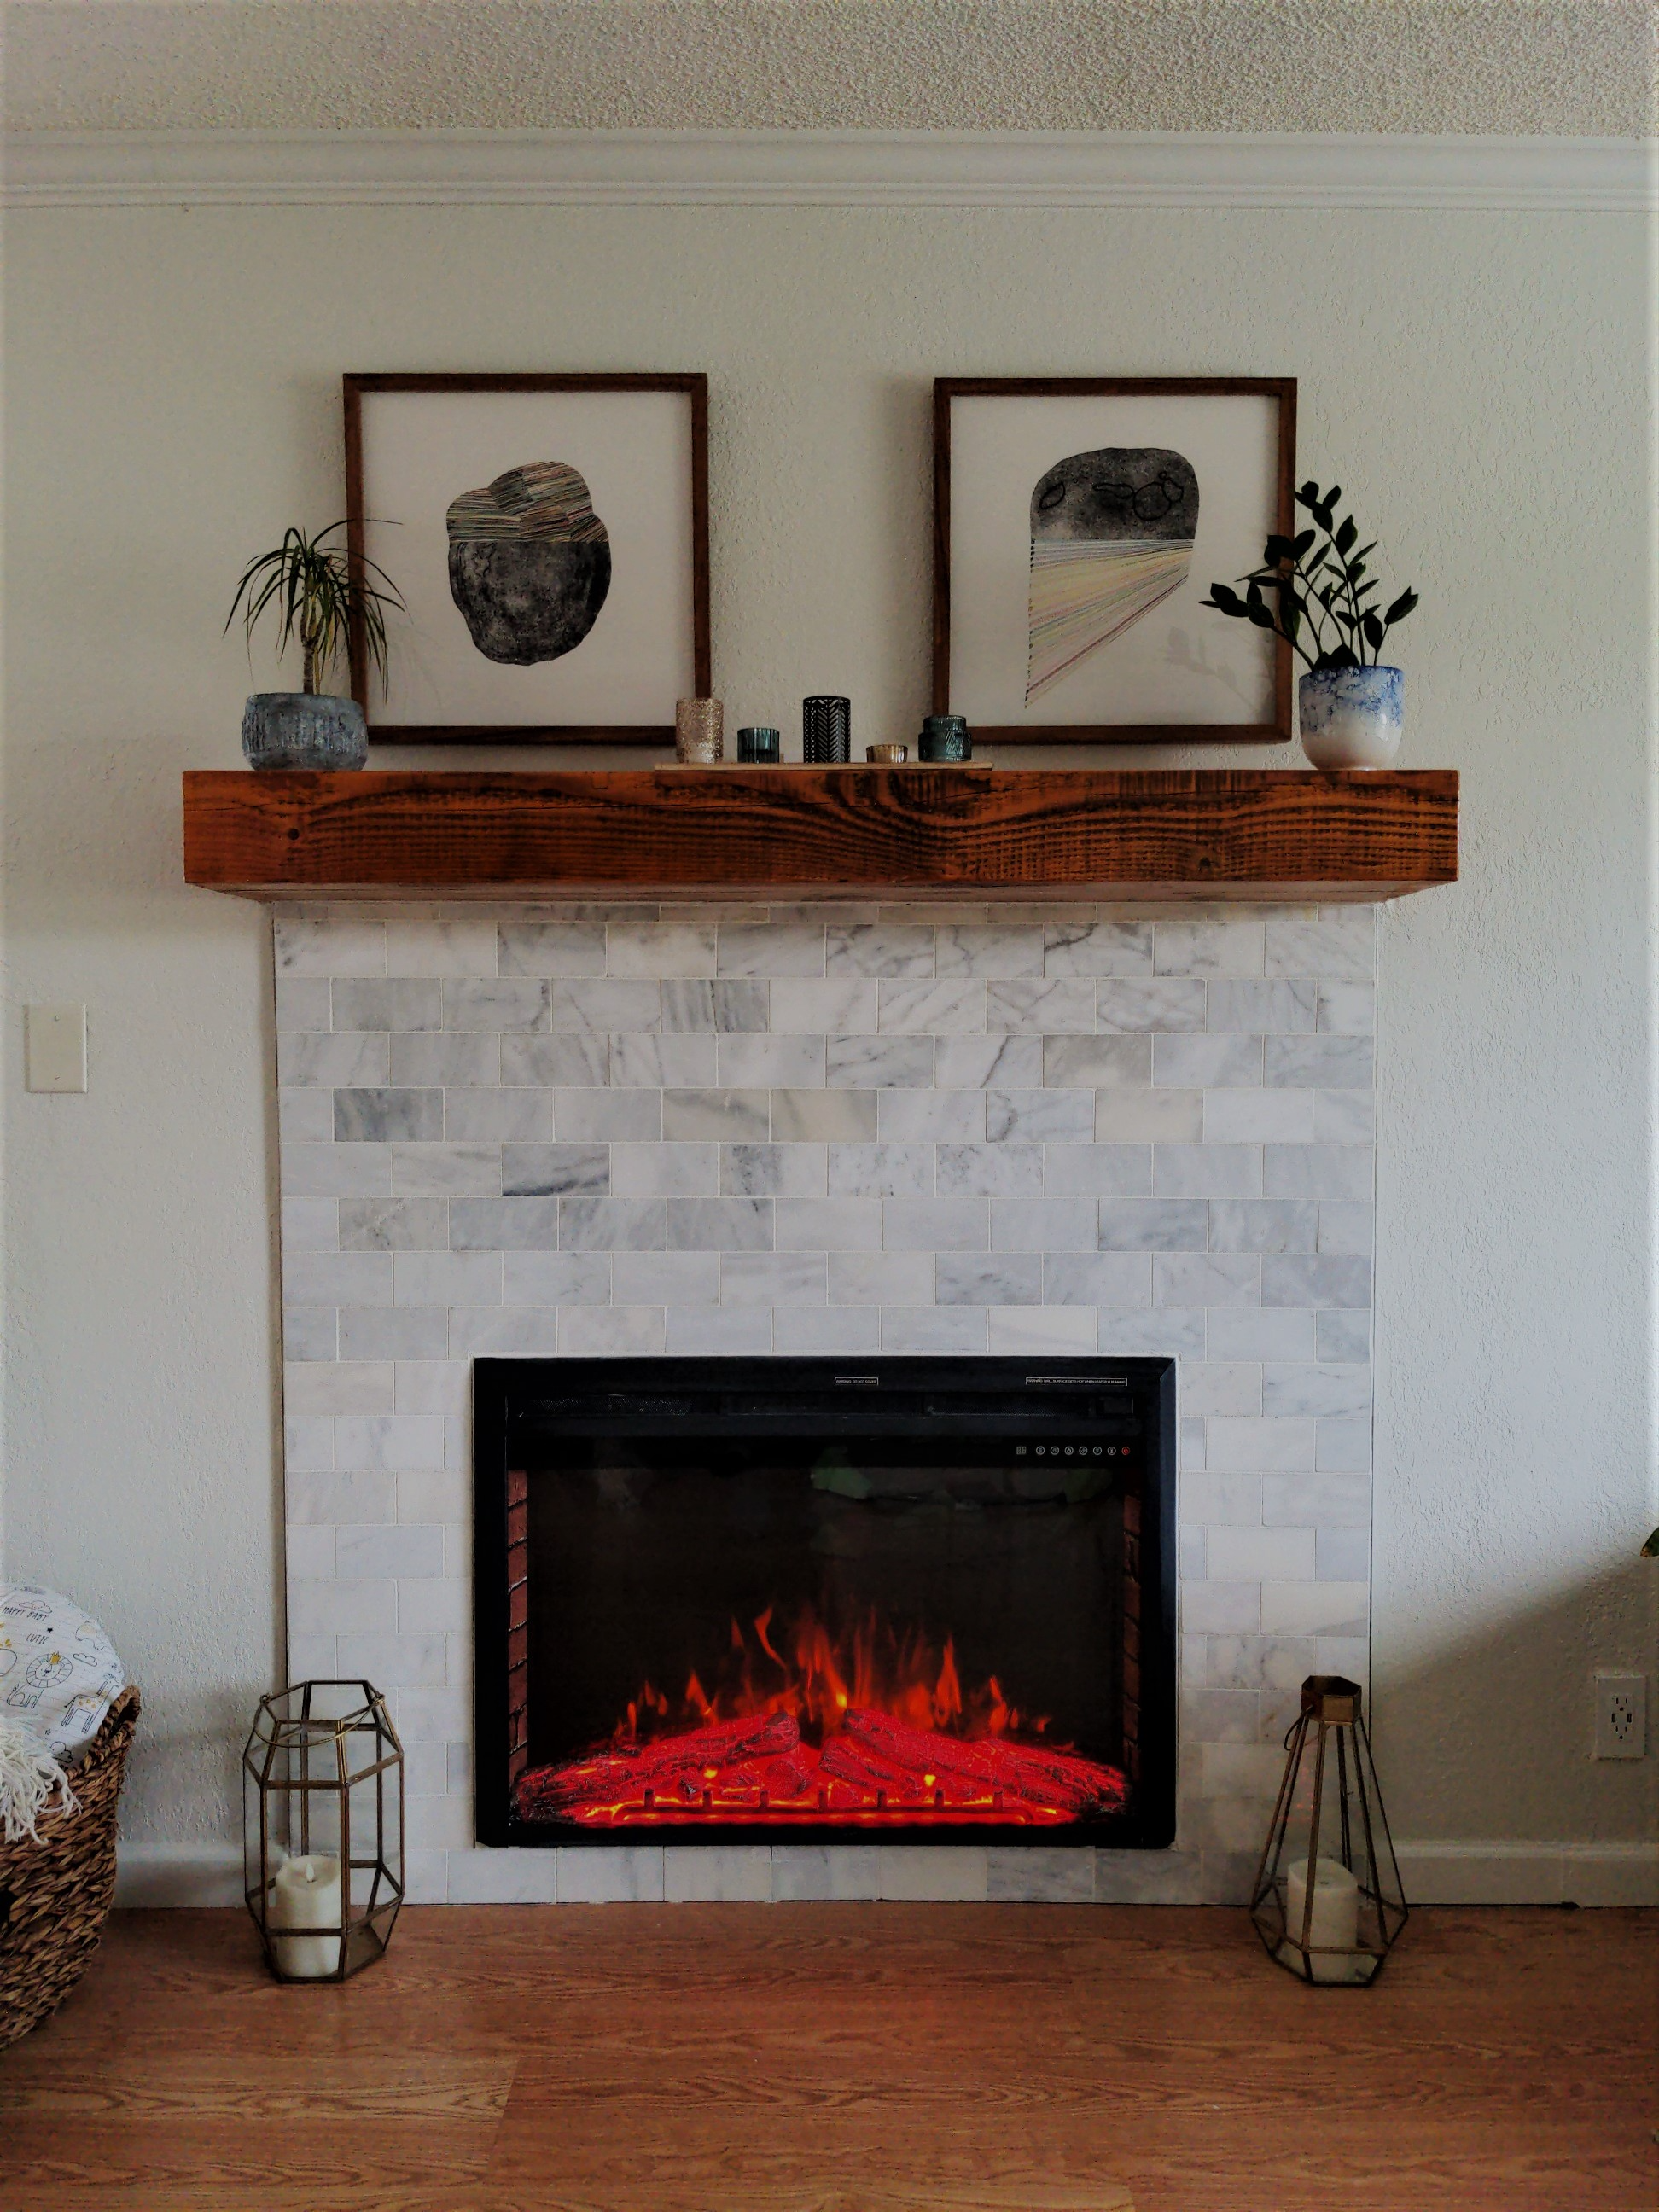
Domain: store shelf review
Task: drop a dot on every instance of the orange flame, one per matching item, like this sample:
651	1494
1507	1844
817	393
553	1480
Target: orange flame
817	1678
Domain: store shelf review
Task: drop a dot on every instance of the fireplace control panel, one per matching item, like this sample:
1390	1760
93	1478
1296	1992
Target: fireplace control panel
1072	1451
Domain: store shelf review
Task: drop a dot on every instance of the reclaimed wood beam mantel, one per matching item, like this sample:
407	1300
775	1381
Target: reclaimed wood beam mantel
911	832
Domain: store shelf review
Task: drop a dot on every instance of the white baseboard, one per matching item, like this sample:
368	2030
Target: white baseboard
1462	1872
1490	1873
829	168
165	1874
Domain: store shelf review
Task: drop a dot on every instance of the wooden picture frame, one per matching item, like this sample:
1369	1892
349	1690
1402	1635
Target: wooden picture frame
656	645
1085	588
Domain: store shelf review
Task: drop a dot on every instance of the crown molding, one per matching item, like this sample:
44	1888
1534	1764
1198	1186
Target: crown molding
830	169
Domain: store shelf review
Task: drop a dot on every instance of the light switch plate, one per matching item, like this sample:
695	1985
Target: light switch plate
55	1048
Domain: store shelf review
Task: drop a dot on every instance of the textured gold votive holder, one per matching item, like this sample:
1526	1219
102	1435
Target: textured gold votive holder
887	756
699	729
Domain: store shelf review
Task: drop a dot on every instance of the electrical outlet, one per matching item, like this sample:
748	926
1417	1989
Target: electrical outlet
1621	1715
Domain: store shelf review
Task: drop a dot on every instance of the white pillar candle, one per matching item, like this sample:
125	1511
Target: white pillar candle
1335	1922
307	1895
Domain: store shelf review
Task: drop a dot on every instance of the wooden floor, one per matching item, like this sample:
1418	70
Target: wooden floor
749	2058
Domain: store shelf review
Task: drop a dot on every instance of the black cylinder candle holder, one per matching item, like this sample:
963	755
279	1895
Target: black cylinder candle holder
826	726
761	746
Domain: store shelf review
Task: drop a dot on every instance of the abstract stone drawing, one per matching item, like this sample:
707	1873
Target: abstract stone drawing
529	562
1111	536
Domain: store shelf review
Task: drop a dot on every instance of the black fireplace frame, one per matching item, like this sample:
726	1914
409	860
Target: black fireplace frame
506	1396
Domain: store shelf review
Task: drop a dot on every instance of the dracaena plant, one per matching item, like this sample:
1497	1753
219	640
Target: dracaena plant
1323	590
315	591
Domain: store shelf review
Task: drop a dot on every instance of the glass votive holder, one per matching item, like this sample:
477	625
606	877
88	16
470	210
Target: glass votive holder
699	731
762	746
887	756
826	728
944	737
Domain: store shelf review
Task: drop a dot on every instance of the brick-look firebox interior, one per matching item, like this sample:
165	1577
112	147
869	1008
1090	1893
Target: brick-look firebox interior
730	1130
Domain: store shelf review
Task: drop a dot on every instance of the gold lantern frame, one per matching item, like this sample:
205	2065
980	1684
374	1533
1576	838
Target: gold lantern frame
1346	1797
299	1754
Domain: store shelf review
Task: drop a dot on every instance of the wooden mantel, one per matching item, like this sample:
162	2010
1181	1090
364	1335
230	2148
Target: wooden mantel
914	832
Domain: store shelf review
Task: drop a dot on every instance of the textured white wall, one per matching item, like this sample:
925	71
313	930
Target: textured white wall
1476	380
1568	66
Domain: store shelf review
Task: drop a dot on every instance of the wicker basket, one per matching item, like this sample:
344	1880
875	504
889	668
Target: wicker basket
55	1894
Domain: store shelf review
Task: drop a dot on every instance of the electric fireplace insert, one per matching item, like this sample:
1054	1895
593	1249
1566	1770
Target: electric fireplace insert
802	1600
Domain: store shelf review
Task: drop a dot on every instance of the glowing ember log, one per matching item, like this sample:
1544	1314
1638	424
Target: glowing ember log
873	1769
1060	1779
680	1766
926	1787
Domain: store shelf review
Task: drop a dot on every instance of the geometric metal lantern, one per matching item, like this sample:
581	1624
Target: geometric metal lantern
323	1829
1336	1929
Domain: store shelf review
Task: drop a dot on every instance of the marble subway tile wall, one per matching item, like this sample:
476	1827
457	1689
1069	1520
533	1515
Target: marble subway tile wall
732	1129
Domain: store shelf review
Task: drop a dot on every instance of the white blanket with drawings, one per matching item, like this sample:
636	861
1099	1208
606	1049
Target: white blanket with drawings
58	1671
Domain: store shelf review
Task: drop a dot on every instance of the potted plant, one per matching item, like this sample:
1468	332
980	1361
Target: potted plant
314	592
1351	703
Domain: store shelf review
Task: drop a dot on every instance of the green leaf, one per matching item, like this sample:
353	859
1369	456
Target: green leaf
1374	631
1224	599
317	593
1278	549
1302	541
1345	537
1259	617
1401	607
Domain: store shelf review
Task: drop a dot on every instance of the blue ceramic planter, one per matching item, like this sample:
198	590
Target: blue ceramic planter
1352	717
303	729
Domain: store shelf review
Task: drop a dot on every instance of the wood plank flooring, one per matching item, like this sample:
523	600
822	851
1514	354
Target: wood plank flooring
755	2058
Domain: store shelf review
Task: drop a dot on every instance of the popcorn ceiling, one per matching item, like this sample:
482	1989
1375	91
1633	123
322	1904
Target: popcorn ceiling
1549	67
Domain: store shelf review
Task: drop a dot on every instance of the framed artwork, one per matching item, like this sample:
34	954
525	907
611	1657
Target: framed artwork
1078	522
549	537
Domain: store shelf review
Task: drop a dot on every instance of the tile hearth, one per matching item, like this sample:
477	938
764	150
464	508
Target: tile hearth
708	1130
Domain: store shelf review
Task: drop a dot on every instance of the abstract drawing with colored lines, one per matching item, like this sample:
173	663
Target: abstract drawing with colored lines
1111	536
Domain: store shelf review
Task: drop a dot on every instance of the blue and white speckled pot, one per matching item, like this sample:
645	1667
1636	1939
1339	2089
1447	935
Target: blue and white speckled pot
1352	717
303	729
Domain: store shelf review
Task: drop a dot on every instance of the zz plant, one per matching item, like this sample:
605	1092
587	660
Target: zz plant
1323	589
315	593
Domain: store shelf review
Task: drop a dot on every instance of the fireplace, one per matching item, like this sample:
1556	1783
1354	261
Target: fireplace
792	1600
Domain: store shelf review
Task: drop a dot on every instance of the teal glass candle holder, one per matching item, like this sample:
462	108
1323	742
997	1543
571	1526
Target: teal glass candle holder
944	737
